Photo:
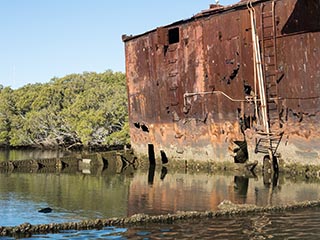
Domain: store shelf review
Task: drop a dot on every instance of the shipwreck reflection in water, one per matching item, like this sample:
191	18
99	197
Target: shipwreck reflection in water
200	191
241	188
114	191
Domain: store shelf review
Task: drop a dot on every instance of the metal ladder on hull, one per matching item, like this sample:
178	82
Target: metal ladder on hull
267	141
269	60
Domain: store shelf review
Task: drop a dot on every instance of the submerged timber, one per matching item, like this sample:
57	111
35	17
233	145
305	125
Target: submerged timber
28	230
231	83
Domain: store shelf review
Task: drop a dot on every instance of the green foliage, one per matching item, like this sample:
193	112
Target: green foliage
7	108
88	109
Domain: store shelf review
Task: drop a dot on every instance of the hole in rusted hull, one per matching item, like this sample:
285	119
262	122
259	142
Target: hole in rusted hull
174	36
144	128
247	89
241	152
220	36
235	72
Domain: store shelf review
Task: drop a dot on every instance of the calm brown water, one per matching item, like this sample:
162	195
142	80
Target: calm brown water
104	193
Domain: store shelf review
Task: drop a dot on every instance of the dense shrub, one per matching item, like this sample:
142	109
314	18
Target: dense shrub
83	110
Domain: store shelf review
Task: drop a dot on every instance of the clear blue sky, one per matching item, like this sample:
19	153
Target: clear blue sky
42	39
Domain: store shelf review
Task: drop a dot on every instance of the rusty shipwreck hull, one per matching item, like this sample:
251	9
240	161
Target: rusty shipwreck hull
190	83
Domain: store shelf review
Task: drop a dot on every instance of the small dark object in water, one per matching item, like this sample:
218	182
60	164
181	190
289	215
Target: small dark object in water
45	210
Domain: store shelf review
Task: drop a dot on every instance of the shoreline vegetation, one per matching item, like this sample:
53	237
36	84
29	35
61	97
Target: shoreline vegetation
78	111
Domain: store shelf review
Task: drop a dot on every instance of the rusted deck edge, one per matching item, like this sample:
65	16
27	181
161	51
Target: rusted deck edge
27	229
202	14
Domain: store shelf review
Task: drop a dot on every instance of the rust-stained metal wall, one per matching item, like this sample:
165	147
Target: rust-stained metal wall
212	52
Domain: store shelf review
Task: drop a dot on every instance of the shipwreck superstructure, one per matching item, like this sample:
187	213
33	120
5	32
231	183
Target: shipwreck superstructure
229	83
